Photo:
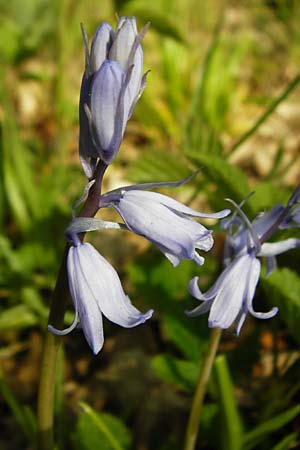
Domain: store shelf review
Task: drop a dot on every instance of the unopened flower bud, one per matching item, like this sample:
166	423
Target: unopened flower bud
112	84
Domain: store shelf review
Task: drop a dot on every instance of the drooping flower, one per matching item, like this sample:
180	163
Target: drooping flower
164	221
96	289
112	84
230	298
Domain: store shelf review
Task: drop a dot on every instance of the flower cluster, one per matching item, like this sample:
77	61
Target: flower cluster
111	85
230	298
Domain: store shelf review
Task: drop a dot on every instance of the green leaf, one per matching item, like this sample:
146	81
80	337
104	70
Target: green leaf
183	374
254	437
18	169
230	180
172	280
283	288
197	99
233	429
266	194
183	337
9	38
23	415
286	442
94	428
157	165
17	317
276	102
32	299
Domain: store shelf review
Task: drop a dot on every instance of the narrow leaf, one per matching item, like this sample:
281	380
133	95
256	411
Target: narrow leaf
293	84
286	442
232	421
254	437
94	427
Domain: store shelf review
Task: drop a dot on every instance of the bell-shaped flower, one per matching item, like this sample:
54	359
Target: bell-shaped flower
112	84
230	298
164	221
263	227
96	289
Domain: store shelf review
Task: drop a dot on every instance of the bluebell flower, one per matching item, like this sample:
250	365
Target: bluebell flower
96	289
112	84
230	299
164	221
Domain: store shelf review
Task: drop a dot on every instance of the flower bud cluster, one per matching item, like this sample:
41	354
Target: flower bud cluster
111	86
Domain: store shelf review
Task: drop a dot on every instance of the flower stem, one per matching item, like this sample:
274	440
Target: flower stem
193	423
46	393
45	410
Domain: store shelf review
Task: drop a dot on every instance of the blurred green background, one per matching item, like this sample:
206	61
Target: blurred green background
223	96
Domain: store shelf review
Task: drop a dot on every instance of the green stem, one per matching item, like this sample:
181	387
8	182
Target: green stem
45	407
193	423
45	412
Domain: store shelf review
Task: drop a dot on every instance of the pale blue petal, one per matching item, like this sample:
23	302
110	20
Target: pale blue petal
105	92
229	299
101	44
132	91
107	290
199	310
206	241
240	321
271	264
86	145
293	219
123	42
170	232
84	299
177	206
253	278
295	216
72	280
199	260
276	248
194	290
174	259
265	221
